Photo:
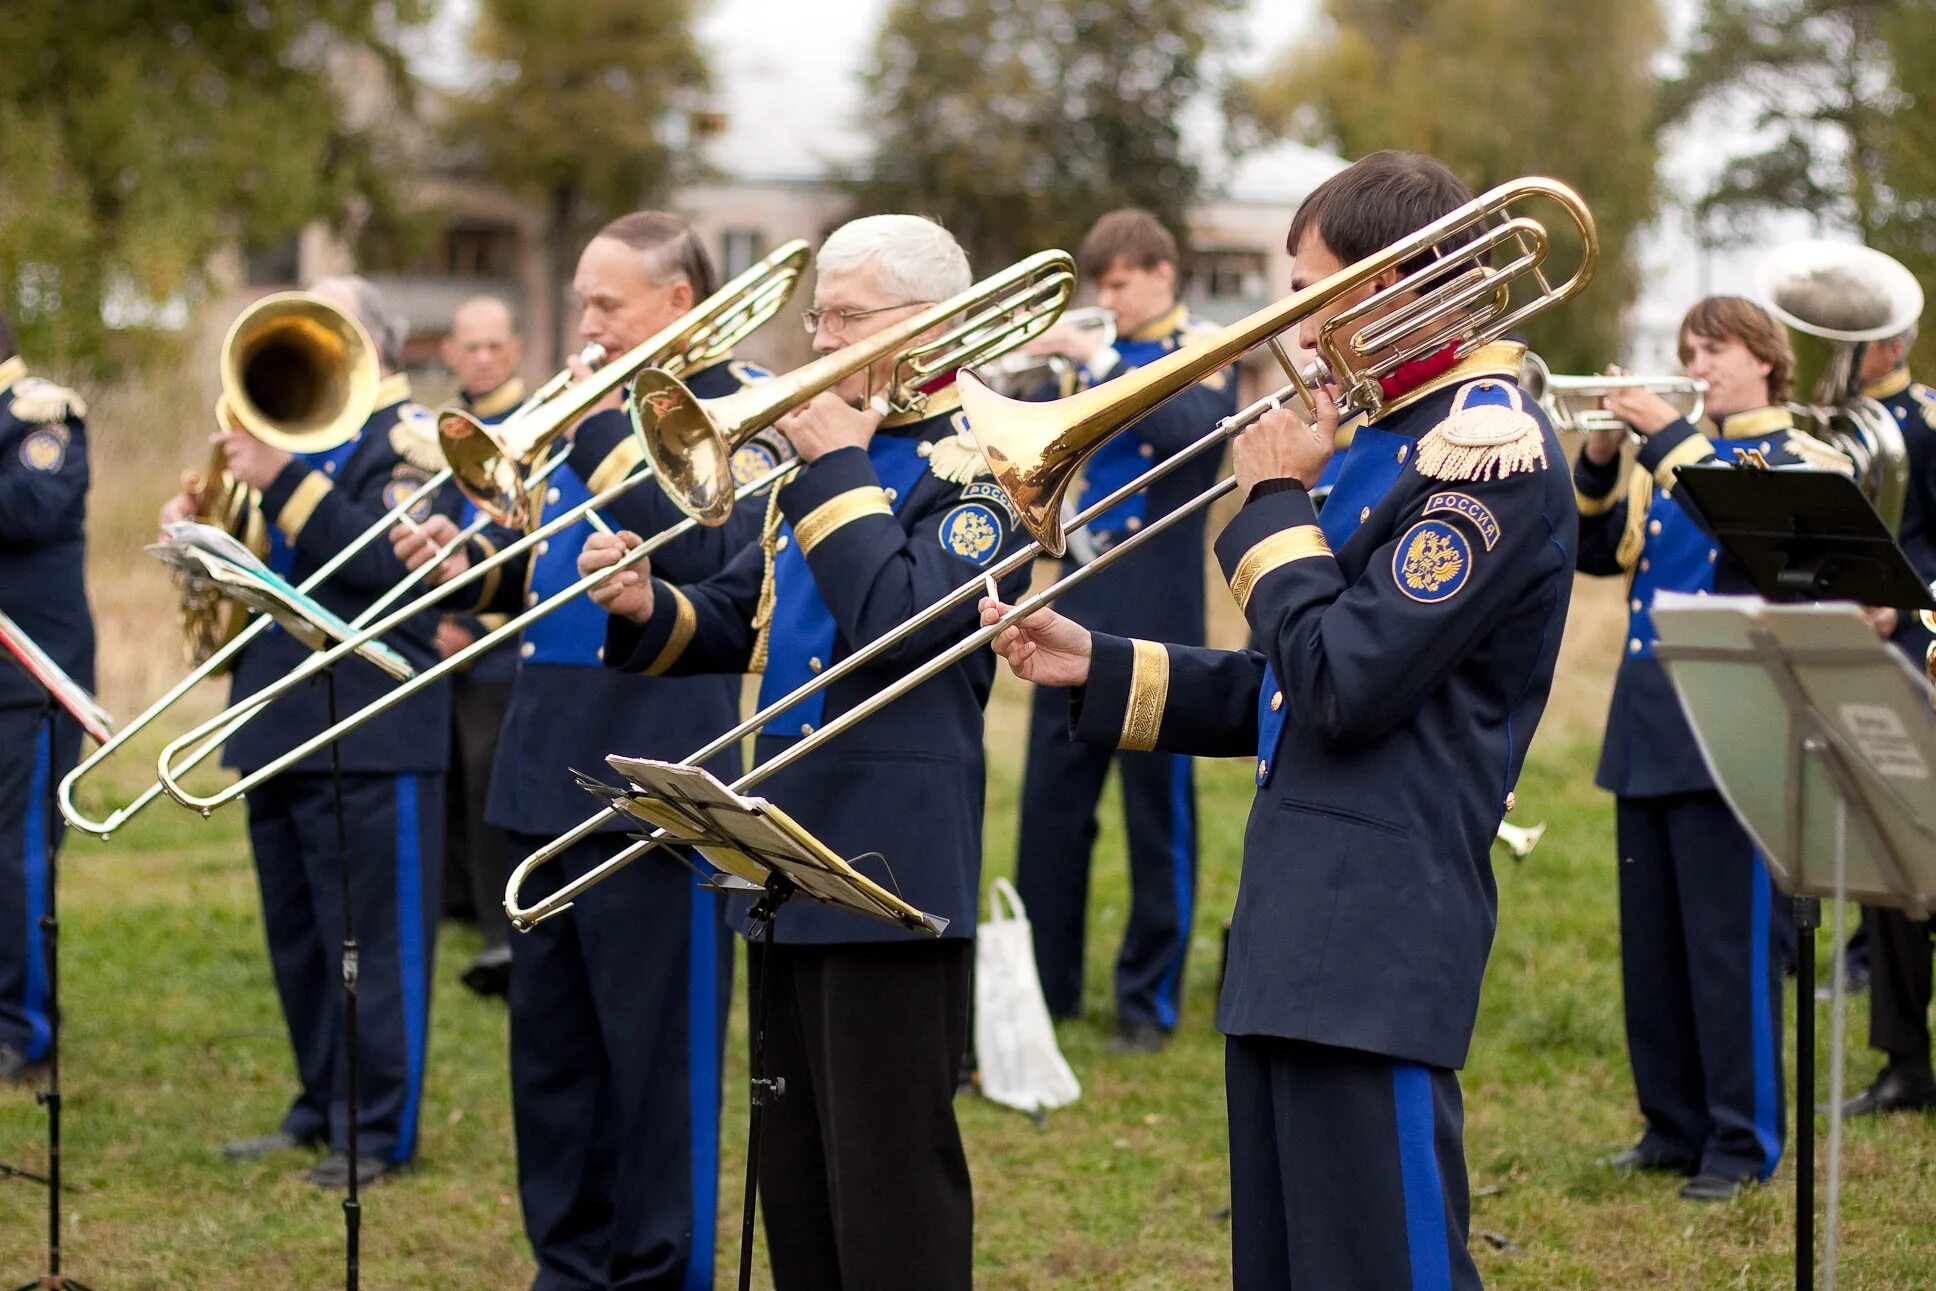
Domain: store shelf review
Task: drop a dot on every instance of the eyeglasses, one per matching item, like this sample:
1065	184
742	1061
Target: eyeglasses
837	320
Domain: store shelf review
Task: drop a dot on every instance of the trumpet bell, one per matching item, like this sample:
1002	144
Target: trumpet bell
298	373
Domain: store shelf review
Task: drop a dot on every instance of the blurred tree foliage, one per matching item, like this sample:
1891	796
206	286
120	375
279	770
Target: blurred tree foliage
1017	122
138	137
1496	89
579	110
1843	105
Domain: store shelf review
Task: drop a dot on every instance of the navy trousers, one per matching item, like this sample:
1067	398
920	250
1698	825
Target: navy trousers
396	857
1061	786
33	758
618	1027
1347	1171
1703	994
1899	984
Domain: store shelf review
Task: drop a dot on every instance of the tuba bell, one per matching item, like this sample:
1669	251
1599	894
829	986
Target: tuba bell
1836	299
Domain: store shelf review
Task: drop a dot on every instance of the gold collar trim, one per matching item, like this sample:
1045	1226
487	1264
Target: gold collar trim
492	402
393	389
1494	359
11	371
1893	384
1756	423
939	404
1165	324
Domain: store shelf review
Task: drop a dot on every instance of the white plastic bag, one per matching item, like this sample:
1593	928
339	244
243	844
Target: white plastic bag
1021	1066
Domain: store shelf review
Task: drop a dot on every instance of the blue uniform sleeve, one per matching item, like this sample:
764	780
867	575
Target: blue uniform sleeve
498	591
1356	657
1148	695
872	573
704	627
1601	496
319	519
1919	515
43	479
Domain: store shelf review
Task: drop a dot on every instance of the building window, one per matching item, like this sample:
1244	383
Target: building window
474	251
1229	275
740	250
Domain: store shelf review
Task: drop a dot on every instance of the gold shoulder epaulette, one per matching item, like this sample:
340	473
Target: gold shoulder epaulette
955	459
1813	452
1926	399
413	437
1488	434
35	400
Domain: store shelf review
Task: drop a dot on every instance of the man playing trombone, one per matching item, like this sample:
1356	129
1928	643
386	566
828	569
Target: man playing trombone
43	504
316	503
863	1171
618	1013
1406	646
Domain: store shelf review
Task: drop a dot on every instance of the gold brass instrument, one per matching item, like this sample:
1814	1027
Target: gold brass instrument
690	441
1836	298
298	373
209	622
491	463
1578	403
1018	374
1038	455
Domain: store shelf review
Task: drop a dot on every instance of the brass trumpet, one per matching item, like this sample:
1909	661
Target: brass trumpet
1036	450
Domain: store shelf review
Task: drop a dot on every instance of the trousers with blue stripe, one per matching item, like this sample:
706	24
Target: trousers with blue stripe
395	857
618	1015
34	755
1348	1167
1703	991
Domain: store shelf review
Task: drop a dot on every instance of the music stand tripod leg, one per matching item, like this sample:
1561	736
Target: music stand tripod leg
352	1203
760	1088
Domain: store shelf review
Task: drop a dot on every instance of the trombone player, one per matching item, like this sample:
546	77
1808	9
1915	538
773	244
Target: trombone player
863	1168
623	1006
43	506
1407	639
392	781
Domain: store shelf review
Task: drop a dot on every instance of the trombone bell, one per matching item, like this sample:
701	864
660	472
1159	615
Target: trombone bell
690	450
485	469
298	373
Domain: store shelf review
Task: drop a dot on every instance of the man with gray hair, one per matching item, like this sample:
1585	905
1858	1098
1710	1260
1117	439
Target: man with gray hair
392	779
862	1167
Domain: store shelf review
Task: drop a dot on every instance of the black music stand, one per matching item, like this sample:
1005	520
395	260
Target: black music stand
60	693
202	553
1787	765
756	850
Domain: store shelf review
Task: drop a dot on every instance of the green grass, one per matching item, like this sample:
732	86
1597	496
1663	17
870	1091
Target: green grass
175	1044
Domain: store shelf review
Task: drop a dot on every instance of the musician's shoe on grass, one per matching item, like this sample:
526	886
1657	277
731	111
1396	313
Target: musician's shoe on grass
1138	1037
1900	1088
333	1171
490	973
1713	1187
1641	1157
18	1068
269	1144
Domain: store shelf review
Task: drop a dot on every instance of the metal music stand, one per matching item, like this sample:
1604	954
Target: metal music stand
60	693
757	850
208	555
1820	737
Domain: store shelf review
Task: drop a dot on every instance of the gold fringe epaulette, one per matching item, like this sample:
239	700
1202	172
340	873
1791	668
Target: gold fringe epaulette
1813	452
413	437
35	400
955	459
1487	435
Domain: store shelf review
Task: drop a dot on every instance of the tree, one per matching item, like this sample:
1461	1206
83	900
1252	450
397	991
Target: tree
1843	126
1496	89
138	138
1017	122
575	108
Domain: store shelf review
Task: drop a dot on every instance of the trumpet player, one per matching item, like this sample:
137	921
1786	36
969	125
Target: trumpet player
1132	259
618	1013
43	506
392	782
863	1170
1698	964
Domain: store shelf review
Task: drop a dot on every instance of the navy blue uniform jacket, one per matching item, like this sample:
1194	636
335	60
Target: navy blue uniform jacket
43	512
316	506
1409	669
869	539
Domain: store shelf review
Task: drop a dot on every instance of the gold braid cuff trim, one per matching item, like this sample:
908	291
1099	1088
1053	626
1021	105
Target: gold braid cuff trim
1149	691
1640	497
1274	552
763	608
682	628
487	588
1592	506
302	504
1694	448
838	510
617	464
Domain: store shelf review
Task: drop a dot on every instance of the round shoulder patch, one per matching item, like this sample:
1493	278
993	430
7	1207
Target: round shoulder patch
972	531
1432	562
403	482
43	450
752	460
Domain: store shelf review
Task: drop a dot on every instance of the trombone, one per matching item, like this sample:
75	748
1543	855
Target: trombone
1038	449
1577	403
1012	373
984	334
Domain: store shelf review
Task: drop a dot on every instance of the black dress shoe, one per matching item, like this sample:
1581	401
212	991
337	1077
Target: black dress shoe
333	1171
1897	1089
1712	1187
1138	1038
272	1142
1643	1158
490	973
17	1067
